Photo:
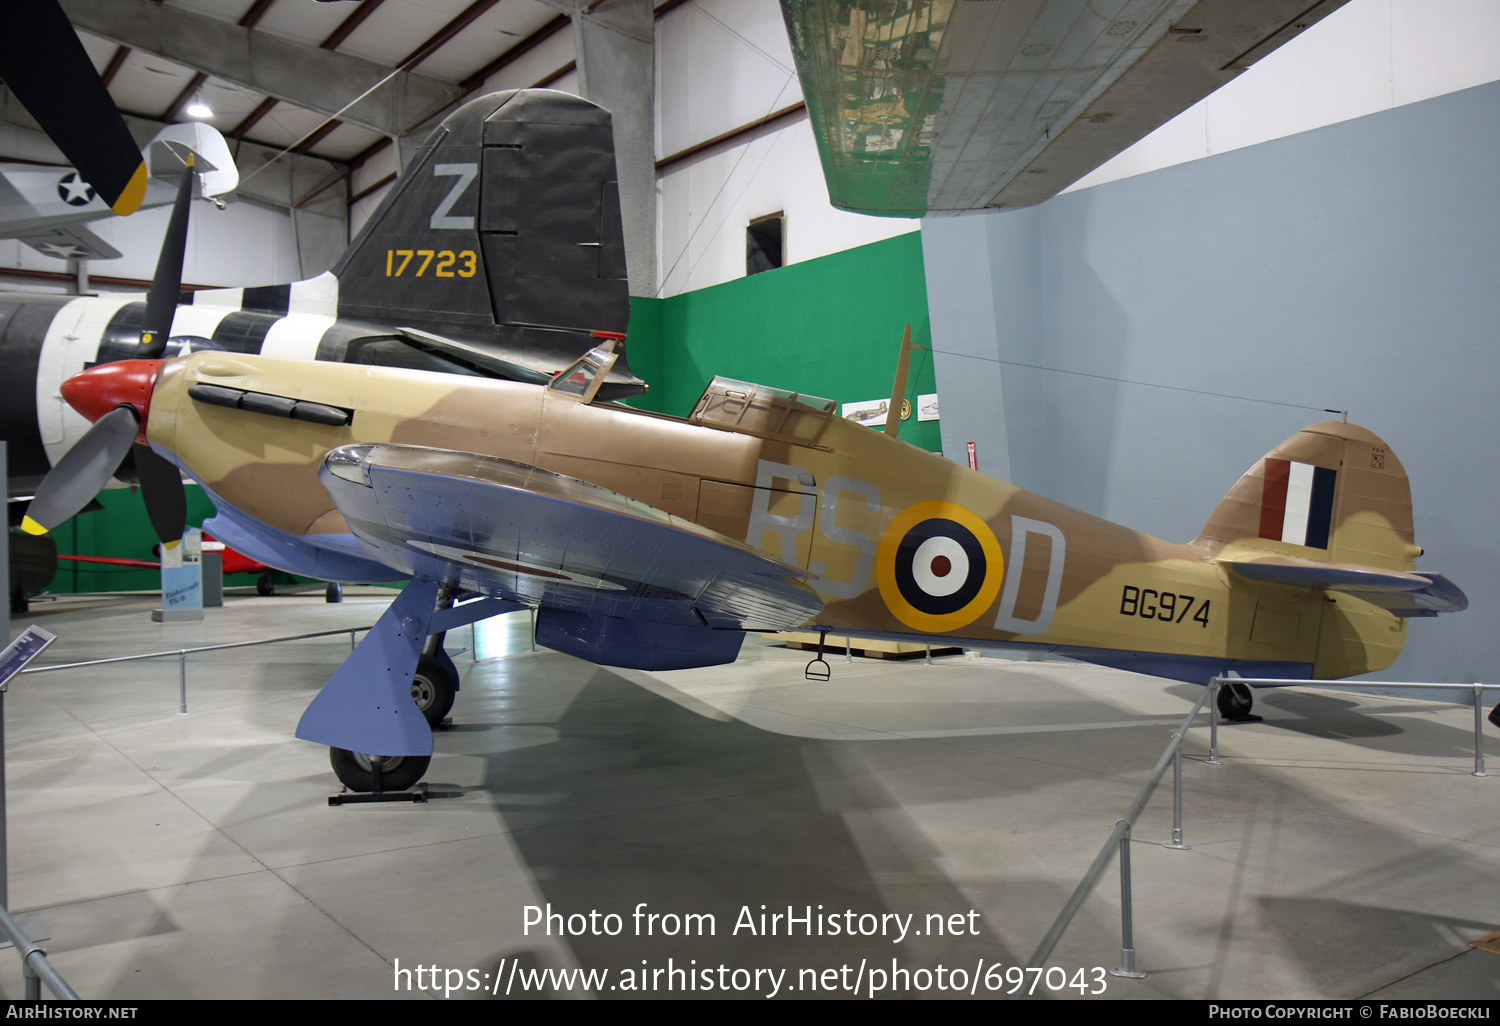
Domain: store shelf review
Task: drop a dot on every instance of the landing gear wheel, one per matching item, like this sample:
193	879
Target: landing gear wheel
264	587
18	601
433	688
334	592
1235	702
357	771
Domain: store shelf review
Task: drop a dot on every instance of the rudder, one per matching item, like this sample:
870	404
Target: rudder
1333	492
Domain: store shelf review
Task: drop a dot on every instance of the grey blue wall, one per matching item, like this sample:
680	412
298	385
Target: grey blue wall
1355	267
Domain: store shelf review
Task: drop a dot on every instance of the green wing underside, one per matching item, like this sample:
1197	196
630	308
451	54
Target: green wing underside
932	105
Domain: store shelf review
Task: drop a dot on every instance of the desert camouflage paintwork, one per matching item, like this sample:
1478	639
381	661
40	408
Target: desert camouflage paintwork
838	500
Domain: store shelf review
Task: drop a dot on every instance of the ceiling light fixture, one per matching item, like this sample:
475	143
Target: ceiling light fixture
199	109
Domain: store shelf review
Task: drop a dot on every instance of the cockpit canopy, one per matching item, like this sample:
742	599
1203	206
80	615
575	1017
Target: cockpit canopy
587	373
763	412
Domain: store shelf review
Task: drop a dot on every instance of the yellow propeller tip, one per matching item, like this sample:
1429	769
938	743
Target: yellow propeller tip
172	544
30	526
135	191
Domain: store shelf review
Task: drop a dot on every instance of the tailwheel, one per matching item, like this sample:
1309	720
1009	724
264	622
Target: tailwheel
356	770
1235	702
433	688
264	587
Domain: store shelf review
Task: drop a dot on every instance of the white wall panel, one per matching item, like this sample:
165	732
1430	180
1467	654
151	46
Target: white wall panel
705	204
722	64
535	65
1366	57
719	64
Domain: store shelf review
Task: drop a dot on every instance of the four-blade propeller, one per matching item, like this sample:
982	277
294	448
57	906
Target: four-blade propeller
117	398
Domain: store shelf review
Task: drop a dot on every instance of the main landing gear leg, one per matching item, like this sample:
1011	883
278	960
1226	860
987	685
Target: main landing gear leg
434	685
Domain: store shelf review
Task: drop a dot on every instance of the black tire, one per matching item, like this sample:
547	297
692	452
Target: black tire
18	601
334	592
1235	701
433	688
398	772
264	586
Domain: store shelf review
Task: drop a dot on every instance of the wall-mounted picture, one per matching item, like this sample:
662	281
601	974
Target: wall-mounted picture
870	412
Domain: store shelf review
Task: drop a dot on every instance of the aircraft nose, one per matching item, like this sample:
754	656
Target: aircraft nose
104	387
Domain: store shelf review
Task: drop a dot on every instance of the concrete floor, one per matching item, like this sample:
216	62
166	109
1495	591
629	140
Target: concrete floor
1343	850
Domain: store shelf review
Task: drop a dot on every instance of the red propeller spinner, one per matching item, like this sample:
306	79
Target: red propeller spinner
107	386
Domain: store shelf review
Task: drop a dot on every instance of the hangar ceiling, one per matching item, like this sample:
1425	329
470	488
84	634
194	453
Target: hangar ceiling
280	72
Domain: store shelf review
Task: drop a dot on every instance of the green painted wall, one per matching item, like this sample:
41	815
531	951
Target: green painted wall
830	327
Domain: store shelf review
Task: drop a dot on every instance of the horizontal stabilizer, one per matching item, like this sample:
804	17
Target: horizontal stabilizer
475	356
69	242
1402	593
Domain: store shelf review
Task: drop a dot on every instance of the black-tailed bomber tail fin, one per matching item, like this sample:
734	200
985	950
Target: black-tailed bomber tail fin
503	233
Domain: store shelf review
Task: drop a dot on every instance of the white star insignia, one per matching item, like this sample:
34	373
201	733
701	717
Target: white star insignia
74	190
63	250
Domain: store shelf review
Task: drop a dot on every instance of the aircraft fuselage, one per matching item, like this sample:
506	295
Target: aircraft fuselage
897	541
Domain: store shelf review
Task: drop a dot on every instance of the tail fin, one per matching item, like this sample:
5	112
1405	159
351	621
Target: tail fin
1333	492
168	151
1328	510
504	232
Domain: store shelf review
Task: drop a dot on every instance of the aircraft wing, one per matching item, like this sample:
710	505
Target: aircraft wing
530	535
68	242
1400	592
954	105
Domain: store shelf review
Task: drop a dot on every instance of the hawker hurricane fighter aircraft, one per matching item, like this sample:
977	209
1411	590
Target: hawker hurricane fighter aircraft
654	542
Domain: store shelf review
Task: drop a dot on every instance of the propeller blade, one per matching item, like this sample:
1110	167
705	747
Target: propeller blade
162	491
44	64
83	470
166	283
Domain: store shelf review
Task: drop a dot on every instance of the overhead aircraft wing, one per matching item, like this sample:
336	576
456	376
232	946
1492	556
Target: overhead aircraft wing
1400	592
68	242
530	535
948	105
49	71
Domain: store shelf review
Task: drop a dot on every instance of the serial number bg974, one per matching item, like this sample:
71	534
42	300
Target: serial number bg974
1150	604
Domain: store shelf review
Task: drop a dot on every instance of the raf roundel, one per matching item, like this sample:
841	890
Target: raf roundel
939	567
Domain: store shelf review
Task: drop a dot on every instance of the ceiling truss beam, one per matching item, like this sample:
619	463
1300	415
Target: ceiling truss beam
307	76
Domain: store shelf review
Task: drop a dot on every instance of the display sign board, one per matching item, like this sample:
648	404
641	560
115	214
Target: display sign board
23	650
182	579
